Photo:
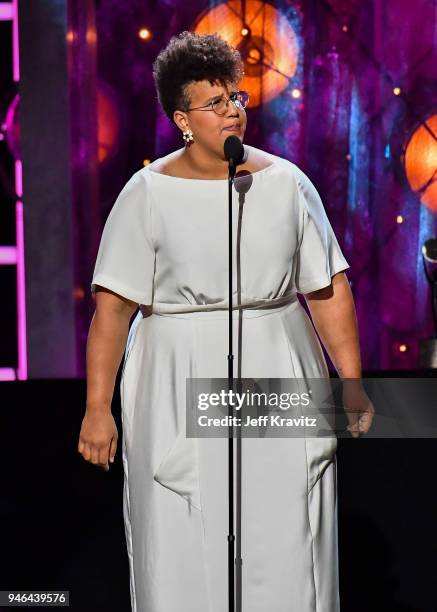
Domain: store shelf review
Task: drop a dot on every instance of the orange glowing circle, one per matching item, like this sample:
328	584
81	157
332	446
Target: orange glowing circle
144	34
421	162
254	56
70	36
270	49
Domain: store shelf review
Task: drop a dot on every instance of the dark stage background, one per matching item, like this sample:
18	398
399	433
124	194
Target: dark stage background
61	520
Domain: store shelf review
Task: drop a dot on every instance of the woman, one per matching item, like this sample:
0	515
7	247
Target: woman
164	247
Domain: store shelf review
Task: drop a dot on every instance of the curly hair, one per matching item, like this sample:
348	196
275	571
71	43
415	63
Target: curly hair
188	58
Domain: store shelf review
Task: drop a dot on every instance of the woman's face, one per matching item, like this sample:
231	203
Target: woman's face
209	129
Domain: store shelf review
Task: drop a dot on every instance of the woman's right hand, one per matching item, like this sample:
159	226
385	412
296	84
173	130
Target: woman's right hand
98	438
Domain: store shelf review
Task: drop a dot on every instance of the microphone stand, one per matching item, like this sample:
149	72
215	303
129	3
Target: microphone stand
231	537
234	597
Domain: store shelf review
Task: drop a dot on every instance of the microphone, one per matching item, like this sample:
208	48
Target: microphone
234	153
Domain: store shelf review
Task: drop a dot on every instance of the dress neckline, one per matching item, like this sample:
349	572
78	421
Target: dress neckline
195	180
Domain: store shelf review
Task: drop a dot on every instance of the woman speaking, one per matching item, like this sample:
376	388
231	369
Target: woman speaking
164	249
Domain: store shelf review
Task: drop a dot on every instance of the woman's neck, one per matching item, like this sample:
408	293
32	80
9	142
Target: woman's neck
183	163
203	164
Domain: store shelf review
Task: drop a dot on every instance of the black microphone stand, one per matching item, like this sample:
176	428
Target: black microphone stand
234	153
235	603
231	537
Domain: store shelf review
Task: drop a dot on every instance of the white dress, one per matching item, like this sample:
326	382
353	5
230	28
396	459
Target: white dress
165	243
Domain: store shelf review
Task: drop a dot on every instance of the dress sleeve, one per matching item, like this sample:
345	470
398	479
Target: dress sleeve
319	256
125	261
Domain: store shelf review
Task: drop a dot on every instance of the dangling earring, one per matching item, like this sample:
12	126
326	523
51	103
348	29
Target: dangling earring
188	136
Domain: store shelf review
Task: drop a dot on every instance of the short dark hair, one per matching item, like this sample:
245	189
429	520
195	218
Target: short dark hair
191	57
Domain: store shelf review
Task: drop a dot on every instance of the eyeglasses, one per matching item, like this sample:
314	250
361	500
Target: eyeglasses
240	99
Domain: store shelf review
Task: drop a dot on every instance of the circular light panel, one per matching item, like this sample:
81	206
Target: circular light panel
269	46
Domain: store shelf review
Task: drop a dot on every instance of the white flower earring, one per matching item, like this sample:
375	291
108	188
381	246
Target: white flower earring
187	135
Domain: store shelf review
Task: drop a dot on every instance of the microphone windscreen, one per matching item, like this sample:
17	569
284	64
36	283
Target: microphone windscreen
233	149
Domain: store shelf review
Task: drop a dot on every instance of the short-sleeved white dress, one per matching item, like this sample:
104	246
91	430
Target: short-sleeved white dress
165	243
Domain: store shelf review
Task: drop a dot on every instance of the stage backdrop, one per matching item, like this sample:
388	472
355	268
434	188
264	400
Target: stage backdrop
346	90
343	88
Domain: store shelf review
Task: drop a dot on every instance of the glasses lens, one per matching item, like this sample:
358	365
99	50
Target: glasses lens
219	106
240	99
243	98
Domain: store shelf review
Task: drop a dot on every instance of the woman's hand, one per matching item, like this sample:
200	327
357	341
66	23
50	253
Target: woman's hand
358	407
98	438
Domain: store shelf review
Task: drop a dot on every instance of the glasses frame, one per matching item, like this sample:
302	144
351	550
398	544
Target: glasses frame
232	98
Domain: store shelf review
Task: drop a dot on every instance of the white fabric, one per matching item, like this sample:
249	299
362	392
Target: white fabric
165	243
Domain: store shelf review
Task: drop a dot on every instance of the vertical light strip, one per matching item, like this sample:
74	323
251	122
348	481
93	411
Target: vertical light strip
21	279
7	254
15	42
19	222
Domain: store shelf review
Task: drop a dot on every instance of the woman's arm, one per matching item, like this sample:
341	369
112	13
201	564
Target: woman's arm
105	347
333	313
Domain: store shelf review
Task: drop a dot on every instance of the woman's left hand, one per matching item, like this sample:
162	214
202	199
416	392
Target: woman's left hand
358	407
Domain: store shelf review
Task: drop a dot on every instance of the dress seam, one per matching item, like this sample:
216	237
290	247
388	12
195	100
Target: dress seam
149	213
306	470
311	531
287	342
196	441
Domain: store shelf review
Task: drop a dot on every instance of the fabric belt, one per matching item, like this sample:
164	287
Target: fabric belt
221	308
